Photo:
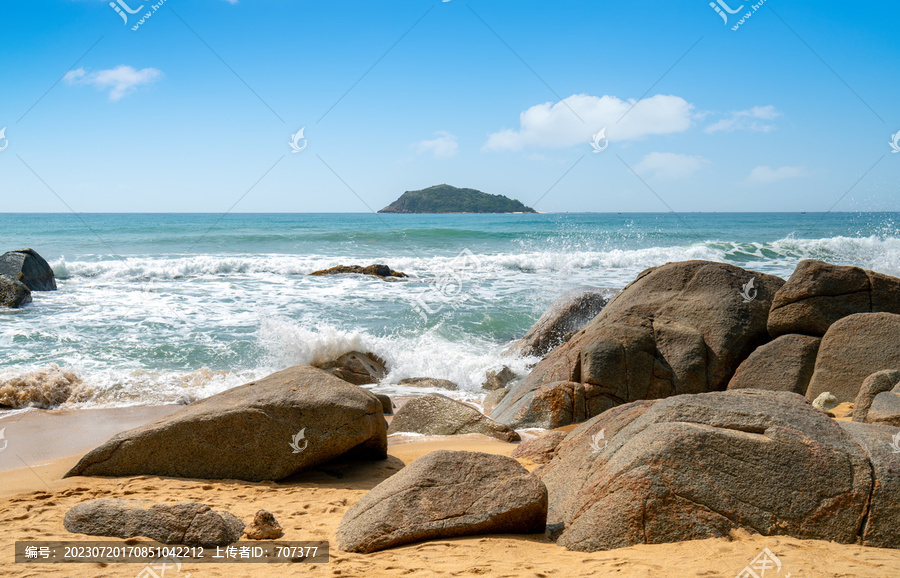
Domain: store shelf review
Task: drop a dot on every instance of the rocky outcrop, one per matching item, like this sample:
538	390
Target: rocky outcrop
264	527
541	449
356	367
188	523
13	293
785	364
699	466
873	385
494	380
570	312
678	328
381	271
431	382
853	348
27	266
265	430
443	495
437	415
819	293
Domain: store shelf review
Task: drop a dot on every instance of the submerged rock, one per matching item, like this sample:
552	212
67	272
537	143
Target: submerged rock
382	271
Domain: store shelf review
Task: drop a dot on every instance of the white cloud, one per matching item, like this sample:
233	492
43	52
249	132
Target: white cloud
232	1
751	119
670	166
442	147
120	81
552	125
766	175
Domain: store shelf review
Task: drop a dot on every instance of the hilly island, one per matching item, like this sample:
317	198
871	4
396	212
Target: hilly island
448	199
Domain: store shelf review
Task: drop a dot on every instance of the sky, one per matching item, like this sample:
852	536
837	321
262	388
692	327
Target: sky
341	106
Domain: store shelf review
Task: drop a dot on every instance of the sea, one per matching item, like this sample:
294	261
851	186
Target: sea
172	308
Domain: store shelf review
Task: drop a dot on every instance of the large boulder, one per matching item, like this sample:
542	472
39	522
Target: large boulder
854	348
570	312
678	328
265	430
356	367
437	415
28	267
785	364
818	294
13	293
873	385
699	466
443	495
188	523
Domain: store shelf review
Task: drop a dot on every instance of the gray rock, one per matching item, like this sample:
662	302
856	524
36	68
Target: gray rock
854	348
443	495
825	402
541	449
494	380
876	383
28	267
356	367
13	293
188	523
570	312
251	432
785	364
679	328
819	293
699	466
437	415
429	382
885	409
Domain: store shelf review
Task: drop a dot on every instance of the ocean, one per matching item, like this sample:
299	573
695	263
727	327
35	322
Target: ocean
172	308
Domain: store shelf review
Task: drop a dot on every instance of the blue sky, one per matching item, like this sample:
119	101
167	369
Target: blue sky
194	110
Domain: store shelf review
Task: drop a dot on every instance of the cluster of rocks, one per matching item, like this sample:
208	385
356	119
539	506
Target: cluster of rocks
377	270
22	272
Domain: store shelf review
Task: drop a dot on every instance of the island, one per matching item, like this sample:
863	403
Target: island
449	199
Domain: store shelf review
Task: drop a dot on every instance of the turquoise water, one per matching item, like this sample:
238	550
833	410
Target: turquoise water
161	308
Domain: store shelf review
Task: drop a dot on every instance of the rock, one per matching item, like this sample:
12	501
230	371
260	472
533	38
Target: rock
785	364
679	328
30	268
428	382
443	495
252	432
570	312
693	467
187	523
387	406
437	415
826	401
382	271
854	348
492	399
264	527
819	293
541	449
876	383
882	522
13	293
494	380
885	409
356	367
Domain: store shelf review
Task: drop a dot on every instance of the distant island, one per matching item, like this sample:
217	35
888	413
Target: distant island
448	199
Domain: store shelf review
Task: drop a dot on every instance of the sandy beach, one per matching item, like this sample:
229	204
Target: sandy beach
309	506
